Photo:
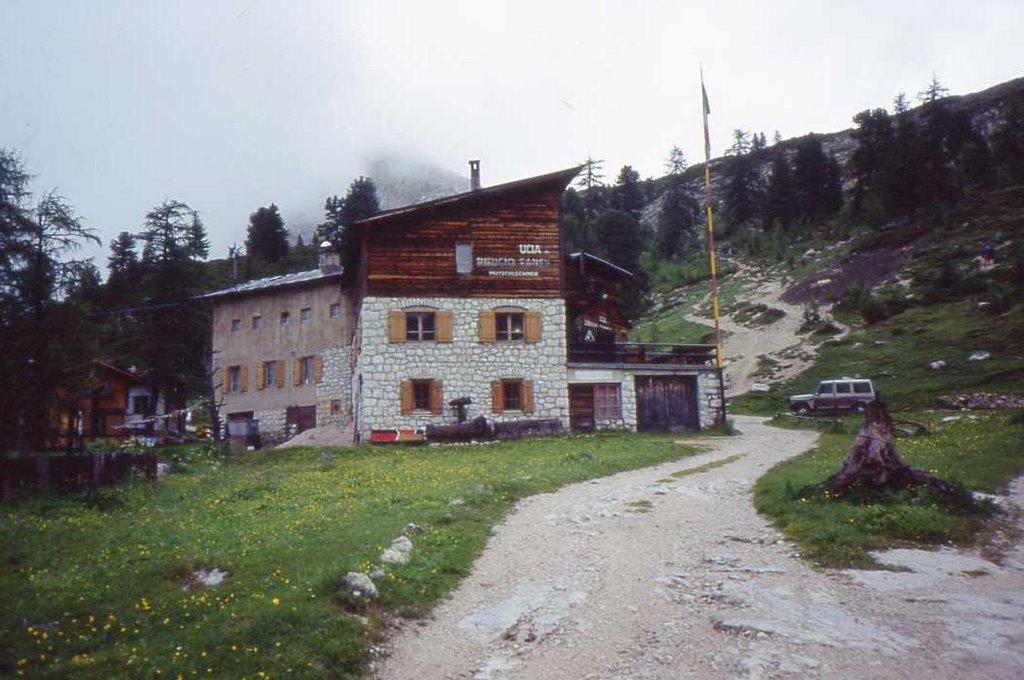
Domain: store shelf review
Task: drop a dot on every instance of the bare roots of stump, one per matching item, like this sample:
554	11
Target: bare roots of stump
873	463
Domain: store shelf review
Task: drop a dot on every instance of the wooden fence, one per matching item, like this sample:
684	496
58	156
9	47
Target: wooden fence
67	473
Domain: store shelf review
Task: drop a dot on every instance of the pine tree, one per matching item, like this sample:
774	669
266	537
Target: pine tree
360	201
676	163
627	194
872	160
933	91
811	180
331	228
741	143
678	221
780	199
267	238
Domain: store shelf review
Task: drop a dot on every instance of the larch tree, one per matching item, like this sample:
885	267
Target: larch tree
43	339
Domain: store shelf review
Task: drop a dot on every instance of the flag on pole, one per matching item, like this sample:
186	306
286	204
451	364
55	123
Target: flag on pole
707	112
711	250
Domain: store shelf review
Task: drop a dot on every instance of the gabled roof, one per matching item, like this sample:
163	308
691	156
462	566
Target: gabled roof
559	180
272	282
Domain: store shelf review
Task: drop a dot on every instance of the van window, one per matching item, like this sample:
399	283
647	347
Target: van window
842	388
825	388
862	388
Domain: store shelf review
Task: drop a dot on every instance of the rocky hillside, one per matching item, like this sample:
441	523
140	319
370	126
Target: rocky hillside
986	111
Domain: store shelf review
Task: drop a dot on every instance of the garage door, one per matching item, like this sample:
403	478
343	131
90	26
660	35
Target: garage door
667	403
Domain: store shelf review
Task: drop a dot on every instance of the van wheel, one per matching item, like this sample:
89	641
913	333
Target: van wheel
860	408
803	410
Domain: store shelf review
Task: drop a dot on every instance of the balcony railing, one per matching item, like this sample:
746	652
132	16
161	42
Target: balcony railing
641	353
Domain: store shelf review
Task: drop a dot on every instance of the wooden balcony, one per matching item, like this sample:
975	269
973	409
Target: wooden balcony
641	353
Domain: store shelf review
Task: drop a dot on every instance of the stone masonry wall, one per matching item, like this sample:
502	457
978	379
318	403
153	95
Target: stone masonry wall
708	397
465	366
336	385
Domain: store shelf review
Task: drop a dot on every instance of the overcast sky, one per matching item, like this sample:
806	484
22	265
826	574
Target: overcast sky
232	104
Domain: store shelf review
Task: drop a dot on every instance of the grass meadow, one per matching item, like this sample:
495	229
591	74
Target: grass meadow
982	451
91	584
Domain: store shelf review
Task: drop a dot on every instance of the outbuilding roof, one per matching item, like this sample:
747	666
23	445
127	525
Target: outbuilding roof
272	282
583	258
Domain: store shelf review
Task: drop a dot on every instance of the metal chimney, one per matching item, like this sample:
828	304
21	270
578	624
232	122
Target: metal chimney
474	175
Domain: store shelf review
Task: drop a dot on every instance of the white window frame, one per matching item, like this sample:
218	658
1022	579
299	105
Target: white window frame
608	406
306	370
463	258
509	331
414	330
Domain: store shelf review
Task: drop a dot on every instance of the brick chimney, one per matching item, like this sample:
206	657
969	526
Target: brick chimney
474	175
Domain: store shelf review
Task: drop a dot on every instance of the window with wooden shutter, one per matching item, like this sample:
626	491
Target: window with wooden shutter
297	372
527	396
497	397
445	325
407	404
268	375
420	326
318	368
396	326
243	380
261	378
279	369
533	326
226	377
486	321
436	397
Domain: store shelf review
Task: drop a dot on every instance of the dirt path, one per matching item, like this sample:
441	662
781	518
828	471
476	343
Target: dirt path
659	574
780	341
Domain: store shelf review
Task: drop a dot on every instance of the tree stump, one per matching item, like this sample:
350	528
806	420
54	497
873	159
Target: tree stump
873	463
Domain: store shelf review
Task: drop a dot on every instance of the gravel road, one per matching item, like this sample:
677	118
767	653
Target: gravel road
656	573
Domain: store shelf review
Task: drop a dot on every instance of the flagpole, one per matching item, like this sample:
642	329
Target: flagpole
706	109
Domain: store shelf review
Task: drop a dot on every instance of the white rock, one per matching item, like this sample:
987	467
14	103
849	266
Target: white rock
360	584
759	387
979	355
399	552
937	365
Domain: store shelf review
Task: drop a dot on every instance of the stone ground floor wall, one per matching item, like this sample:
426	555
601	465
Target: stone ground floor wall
708	395
333	399
466	367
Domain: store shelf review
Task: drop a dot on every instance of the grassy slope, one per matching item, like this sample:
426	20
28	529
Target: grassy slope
90	588
896	354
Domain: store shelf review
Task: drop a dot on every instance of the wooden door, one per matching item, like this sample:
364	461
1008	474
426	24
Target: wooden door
581	408
300	418
666	403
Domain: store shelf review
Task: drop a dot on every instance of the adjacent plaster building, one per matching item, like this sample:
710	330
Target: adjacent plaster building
468	299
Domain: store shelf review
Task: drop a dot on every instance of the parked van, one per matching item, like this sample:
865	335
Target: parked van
840	394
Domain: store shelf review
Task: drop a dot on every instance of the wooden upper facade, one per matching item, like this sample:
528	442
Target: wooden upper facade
501	241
